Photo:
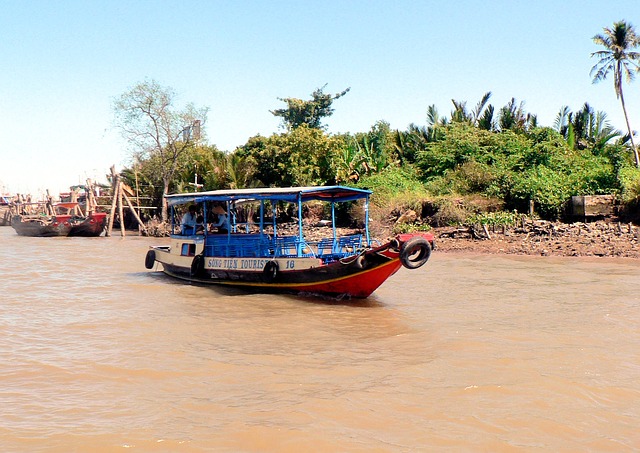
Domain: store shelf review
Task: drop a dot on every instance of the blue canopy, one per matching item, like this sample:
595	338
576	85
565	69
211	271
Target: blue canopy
290	194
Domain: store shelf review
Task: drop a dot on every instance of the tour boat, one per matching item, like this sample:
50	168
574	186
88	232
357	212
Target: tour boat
254	250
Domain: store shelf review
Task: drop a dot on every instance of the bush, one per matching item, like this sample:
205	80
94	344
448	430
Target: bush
494	218
549	190
629	179
394	186
410	227
470	177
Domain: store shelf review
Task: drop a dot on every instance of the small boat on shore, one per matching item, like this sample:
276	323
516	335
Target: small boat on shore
255	251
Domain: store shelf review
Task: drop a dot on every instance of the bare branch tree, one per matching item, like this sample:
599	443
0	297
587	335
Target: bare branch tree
149	122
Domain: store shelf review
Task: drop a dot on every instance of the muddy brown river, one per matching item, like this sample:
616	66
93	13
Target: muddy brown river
468	353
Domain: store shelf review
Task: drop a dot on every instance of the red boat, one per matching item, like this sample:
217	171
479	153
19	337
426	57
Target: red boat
249	252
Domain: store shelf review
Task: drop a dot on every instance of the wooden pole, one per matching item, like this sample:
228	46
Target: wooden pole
48	207
91	200
135	169
120	210
114	199
74	198
486	231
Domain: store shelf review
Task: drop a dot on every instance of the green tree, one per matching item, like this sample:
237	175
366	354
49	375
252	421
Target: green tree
154	129
620	59
377	148
203	165
311	112
240	171
347	163
301	157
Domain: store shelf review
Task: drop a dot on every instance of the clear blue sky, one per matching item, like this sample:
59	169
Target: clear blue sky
64	62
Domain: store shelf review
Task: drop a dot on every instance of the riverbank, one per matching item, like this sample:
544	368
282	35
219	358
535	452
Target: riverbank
542	238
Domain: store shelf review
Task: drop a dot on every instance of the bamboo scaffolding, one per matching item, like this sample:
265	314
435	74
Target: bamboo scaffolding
133	211
119	198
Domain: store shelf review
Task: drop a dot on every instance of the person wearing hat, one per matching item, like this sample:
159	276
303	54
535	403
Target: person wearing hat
222	221
189	220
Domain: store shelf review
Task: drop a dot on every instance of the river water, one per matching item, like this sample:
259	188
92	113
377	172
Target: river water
467	353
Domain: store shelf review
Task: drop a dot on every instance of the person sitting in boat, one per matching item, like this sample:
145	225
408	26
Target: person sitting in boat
200	224
189	220
222	221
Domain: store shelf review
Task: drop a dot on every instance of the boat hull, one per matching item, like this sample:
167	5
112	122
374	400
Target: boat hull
40	227
92	226
356	276
62	225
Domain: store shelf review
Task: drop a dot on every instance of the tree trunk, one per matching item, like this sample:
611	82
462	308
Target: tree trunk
626	118
165	210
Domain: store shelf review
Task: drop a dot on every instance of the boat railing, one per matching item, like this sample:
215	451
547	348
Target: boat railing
292	246
239	245
348	245
330	249
325	247
244	245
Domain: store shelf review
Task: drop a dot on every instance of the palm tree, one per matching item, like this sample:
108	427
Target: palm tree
512	117
563	120
619	58
486	121
460	114
477	113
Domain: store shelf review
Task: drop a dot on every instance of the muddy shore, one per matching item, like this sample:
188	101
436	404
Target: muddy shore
542	238
600	238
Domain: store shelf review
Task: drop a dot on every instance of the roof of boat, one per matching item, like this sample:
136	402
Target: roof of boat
292	194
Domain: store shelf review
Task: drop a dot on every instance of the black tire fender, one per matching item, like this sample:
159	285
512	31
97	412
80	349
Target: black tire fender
270	271
150	259
197	266
415	252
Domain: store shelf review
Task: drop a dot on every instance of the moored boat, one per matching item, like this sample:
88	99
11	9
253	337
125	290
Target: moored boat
255	252
90	226
40	225
59	225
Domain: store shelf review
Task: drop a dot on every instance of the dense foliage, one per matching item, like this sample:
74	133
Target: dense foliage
447	160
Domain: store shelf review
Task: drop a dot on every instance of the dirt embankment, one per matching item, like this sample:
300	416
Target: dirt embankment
600	238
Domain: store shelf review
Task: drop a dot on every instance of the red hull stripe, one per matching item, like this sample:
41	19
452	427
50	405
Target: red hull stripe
361	284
